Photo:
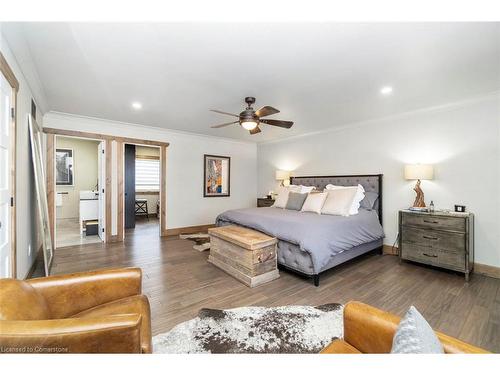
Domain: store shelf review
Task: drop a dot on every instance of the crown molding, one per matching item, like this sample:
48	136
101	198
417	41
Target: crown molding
422	111
162	133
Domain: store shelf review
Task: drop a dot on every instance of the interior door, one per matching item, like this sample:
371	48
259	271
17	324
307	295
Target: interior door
5	168
101	183
129	161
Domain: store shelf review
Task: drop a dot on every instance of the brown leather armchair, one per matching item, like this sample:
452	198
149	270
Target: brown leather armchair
370	330
87	312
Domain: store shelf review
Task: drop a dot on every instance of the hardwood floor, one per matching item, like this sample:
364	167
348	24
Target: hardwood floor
179	281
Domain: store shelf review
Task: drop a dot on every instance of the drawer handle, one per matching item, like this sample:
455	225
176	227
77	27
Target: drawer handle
431	221
431	238
429	255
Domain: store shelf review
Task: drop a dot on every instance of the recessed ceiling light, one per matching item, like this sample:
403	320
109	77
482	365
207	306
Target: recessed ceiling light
136	105
386	90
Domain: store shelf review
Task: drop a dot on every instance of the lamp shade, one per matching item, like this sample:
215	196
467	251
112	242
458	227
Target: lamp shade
419	172
282	175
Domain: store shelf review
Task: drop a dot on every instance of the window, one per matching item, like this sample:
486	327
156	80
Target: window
147	174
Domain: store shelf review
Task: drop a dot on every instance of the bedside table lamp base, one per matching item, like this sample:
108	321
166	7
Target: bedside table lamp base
419	199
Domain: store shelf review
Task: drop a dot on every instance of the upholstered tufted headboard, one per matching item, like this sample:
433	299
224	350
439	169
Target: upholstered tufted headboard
370	182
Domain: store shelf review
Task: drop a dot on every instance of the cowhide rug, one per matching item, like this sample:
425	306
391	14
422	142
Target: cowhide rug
288	329
202	240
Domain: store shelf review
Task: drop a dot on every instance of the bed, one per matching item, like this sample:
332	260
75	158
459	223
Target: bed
310	244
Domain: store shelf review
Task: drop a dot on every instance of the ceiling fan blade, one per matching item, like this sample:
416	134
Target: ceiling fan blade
224	113
224	124
255	131
280	123
266	111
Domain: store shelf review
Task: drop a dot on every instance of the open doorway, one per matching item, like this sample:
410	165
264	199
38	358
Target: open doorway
141	189
79	200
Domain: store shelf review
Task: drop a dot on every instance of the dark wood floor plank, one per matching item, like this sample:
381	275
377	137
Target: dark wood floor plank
179	281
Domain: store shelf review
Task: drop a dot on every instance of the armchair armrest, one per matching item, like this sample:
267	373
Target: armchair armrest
112	334
67	295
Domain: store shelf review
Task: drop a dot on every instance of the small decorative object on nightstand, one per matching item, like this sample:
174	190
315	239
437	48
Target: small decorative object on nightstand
265	202
419	172
441	239
284	177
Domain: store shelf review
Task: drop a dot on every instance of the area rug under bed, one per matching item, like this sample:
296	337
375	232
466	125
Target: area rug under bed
288	329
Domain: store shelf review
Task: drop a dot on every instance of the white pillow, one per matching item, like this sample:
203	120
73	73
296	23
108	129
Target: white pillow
282	198
306	189
355	202
314	202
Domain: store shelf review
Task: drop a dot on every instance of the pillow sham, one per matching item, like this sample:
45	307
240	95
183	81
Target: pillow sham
314	202
359	195
338	202
295	201
415	336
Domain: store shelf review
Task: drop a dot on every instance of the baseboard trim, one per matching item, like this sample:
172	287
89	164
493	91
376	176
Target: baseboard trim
187	230
390	250
32	269
486	270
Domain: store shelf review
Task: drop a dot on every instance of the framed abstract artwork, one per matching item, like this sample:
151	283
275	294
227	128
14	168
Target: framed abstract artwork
64	166
217	175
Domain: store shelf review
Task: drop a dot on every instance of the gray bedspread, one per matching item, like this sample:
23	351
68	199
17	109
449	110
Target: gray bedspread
322	236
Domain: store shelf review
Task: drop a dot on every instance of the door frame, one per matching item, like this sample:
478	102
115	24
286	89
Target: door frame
52	187
120	142
163	185
14	84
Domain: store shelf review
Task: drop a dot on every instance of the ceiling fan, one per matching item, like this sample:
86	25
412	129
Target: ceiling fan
250	119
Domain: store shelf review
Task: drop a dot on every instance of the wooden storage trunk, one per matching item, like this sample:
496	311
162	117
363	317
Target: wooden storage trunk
245	254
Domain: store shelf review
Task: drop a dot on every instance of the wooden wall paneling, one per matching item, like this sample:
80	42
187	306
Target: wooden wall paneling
120	174
163	191
107	192
51	185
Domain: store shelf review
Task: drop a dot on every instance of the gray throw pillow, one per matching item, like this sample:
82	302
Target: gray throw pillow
295	201
415	336
369	201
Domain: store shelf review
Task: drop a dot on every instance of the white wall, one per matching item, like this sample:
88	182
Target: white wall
185	203
84	174
461	140
26	239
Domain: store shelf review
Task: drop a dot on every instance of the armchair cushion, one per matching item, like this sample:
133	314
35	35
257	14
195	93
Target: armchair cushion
128	305
111	334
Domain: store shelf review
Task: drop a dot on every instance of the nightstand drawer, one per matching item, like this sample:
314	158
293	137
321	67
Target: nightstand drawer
434	222
434	257
451	241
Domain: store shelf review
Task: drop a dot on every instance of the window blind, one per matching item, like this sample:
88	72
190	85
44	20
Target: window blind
147	174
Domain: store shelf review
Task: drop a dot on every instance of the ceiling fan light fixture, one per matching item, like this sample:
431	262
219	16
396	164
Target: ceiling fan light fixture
249	124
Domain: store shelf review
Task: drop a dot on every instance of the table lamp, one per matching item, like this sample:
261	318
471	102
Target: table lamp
284	177
419	172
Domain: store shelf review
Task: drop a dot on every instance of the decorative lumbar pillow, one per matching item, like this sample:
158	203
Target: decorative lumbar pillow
295	201
351	196
415	336
314	202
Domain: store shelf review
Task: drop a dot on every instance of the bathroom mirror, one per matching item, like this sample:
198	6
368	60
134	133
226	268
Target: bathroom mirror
41	192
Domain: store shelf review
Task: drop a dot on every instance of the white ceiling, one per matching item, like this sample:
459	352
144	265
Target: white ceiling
319	75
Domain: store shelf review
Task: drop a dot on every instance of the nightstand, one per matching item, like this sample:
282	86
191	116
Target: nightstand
441	239
265	202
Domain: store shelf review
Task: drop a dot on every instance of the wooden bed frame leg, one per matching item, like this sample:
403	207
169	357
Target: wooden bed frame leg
316	279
